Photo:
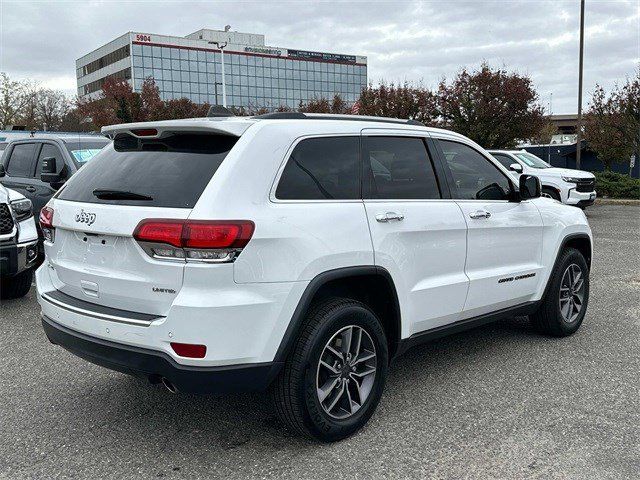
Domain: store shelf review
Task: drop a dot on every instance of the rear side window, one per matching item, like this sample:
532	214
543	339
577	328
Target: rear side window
172	171
398	168
324	168
21	160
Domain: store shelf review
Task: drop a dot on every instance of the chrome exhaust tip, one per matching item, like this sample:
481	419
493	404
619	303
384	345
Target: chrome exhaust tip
168	385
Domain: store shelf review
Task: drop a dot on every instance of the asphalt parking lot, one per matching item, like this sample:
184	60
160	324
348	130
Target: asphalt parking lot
495	402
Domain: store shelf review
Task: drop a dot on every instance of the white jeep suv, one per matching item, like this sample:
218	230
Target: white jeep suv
571	187
298	253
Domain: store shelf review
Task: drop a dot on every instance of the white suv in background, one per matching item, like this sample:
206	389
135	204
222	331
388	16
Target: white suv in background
298	253
572	187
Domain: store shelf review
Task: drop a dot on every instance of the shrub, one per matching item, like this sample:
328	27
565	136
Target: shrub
617	185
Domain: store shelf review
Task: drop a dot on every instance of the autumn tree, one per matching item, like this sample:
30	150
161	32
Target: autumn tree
119	103
322	105
612	122
399	101
493	107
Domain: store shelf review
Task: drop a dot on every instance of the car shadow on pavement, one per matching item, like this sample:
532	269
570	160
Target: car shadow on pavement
229	422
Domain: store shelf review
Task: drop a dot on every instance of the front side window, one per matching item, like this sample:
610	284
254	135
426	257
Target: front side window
474	176
505	160
49	151
21	160
324	168
398	168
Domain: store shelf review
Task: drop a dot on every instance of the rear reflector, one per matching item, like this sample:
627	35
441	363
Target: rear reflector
189	350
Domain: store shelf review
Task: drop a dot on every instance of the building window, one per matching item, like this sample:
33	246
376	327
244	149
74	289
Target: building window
108	59
97	85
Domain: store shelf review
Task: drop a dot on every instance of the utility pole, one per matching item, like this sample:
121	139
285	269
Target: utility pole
579	126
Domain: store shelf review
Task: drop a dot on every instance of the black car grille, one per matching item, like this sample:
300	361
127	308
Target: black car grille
6	220
586	185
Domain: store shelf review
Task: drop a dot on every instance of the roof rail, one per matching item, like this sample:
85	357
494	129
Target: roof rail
322	116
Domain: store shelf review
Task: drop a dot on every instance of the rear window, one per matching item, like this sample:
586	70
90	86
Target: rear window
169	172
84	151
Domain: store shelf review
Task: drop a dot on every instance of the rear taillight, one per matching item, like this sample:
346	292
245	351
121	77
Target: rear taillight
216	241
46	224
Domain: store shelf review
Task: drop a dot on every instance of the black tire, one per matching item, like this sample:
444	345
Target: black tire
16	286
552	192
294	392
549	319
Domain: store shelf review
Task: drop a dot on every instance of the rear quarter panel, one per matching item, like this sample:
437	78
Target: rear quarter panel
293	240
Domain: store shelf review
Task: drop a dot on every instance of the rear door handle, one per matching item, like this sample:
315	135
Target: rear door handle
386	217
30	189
480	214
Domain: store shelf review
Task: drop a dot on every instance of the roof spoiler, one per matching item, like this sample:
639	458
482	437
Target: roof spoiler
219	111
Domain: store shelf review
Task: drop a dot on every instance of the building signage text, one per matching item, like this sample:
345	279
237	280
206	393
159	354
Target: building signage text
267	51
330	57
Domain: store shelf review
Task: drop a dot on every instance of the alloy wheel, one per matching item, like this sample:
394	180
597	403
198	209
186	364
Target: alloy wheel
571	293
346	372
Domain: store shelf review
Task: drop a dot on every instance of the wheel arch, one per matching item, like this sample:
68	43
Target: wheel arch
369	284
579	241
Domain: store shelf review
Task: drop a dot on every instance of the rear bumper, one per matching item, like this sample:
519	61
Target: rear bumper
154	365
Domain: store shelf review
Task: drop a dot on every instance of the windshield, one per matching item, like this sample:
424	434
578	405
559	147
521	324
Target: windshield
531	160
82	152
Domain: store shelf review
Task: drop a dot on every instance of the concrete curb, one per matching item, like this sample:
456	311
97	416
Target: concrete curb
617	201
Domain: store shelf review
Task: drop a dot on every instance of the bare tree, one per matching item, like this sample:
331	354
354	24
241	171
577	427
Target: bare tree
51	107
15	97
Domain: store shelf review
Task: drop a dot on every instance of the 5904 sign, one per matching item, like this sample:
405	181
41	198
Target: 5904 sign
142	38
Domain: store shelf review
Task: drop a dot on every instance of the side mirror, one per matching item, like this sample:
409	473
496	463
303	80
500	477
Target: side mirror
516	167
529	186
2	172
49	171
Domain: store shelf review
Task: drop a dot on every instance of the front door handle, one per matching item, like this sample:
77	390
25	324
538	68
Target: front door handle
385	217
480	214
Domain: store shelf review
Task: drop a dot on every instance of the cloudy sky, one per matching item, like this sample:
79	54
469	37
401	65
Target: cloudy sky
404	40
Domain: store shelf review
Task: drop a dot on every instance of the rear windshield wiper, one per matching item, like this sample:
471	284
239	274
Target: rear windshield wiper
105	194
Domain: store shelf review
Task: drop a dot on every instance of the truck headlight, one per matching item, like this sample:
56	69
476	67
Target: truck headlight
22	209
570	179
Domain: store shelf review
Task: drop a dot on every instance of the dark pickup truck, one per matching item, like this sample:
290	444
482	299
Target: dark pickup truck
22	162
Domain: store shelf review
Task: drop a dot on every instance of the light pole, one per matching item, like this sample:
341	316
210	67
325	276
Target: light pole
579	126
222	46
